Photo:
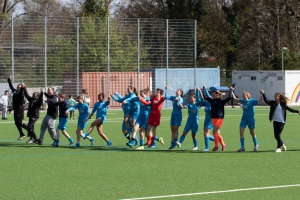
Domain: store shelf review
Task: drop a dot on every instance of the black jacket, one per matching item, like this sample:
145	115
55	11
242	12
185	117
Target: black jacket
52	110
18	97
273	106
34	105
217	105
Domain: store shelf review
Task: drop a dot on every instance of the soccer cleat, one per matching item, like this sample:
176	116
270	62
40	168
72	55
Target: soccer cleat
21	137
55	143
205	149
161	140
92	141
178	144
39	142
283	147
140	148
195	148
77	145
241	149
215	149
255	148
130	143
108	143
172	146
84	135
224	147
71	141
278	150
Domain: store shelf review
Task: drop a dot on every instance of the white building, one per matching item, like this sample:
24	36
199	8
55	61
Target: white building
285	82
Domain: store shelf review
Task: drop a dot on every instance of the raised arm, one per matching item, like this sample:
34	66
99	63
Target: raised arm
264	97
13	89
260	99
27	95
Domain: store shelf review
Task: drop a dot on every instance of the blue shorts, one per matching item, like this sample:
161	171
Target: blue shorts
191	125
133	113
176	120
248	121
208	124
142	121
103	118
62	123
81	124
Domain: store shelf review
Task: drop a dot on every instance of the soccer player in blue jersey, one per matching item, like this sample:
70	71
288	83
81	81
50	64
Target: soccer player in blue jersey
63	119
176	117
125	107
207	126
142	120
247	104
84	111
192	122
134	107
101	107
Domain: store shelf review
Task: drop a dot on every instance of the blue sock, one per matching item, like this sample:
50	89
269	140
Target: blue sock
242	142
175	140
182	137
154	142
255	141
156	139
128	131
195	141
206	142
211	138
141	142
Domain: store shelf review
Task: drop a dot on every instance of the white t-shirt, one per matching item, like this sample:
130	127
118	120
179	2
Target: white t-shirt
277	115
4	100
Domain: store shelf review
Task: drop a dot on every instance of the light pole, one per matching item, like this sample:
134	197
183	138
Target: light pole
282	63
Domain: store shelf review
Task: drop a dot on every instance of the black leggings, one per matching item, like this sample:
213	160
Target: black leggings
30	128
18	117
278	127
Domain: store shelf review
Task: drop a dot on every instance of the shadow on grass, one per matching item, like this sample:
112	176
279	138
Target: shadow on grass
124	149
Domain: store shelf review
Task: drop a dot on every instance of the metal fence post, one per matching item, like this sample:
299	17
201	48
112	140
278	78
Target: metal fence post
167	55
138	56
108	55
77	57
195	57
12	51
45	55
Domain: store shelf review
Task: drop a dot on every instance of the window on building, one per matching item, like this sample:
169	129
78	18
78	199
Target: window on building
253	78
279	78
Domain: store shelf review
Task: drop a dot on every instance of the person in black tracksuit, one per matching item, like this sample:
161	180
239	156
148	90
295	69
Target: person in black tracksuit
18	106
35	102
277	114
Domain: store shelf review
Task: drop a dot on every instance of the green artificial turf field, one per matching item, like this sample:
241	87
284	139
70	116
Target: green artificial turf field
30	171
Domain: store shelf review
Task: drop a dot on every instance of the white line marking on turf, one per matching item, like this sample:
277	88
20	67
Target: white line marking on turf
216	192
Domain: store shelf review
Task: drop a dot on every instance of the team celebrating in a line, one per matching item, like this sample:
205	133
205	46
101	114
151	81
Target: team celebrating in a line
142	114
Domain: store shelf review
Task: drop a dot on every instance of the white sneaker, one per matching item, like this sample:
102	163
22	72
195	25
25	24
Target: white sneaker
278	150
178	144
283	147
205	149
255	148
194	149
140	148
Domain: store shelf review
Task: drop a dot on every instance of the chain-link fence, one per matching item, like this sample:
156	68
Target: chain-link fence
99	55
